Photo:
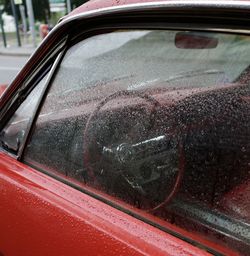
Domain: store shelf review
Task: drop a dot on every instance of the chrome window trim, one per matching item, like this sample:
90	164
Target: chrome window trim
50	74
161	5
43	95
24	82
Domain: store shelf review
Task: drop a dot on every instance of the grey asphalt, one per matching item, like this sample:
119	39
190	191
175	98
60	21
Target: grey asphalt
10	66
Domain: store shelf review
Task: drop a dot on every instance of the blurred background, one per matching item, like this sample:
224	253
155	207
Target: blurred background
23	25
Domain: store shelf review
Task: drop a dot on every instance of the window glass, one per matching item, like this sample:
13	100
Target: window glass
160	120
14	132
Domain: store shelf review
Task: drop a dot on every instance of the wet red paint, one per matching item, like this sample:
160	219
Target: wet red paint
98	4
2	88
41	216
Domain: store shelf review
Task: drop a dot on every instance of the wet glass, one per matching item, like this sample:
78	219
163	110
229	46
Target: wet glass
158	123
12	136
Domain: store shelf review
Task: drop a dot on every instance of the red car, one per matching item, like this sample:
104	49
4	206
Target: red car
128	133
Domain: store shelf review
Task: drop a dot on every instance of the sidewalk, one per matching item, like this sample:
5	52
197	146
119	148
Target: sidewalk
24	51
12	49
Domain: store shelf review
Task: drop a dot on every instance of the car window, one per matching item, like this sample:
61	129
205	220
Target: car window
12	135
159	120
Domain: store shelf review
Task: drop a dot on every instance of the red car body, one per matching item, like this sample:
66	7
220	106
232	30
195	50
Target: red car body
40	215
2	89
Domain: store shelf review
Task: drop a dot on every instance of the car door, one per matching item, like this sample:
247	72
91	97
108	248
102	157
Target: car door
42	216
116	146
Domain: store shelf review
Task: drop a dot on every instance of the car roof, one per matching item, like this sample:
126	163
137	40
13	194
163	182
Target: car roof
99	4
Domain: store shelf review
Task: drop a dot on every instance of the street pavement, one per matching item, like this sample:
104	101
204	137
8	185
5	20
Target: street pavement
10	66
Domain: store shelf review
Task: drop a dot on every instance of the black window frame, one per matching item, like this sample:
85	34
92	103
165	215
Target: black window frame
47	68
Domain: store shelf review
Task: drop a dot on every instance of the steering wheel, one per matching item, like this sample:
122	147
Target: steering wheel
130	165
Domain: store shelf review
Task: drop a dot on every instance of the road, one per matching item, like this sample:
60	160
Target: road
9	67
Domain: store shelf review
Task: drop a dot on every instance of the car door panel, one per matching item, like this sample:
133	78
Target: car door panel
42	216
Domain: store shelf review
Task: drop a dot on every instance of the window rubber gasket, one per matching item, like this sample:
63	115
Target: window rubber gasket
43	96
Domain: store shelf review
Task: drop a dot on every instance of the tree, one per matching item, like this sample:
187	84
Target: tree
41	9
7	6
76	3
